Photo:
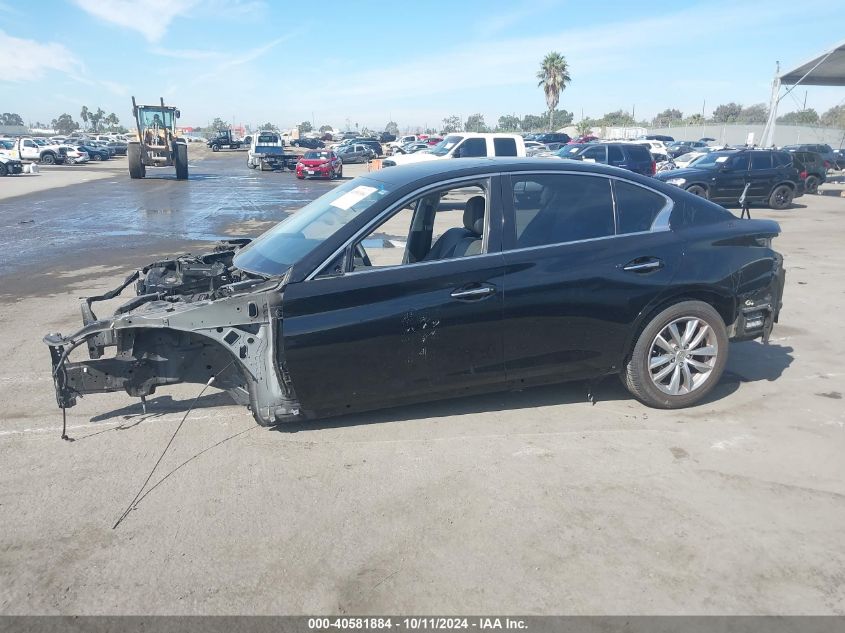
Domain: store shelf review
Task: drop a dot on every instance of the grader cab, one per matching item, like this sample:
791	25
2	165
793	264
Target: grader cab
157	144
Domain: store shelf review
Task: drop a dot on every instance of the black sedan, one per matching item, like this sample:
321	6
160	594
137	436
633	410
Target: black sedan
446	278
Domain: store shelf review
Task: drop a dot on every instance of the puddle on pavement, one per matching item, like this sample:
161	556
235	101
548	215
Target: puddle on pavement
226	198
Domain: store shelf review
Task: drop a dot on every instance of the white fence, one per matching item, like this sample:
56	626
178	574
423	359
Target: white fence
737	133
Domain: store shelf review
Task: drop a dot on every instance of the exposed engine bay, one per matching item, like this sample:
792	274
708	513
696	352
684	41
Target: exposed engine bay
194	319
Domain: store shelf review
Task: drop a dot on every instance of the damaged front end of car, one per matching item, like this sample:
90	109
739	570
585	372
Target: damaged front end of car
194	319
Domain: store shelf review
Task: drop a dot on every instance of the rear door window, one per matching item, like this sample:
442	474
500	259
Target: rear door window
782	159
636	207
559	208
760	161
614	155
504	146
473	147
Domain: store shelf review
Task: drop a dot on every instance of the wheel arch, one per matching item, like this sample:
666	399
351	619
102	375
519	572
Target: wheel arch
721	301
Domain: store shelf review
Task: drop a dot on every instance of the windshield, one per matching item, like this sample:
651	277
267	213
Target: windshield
293	238
443	147
714	160
316	155
568	150
152	117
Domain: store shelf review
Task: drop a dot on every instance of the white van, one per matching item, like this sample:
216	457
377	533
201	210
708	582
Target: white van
465	145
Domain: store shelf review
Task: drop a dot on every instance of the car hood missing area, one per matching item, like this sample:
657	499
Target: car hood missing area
194	319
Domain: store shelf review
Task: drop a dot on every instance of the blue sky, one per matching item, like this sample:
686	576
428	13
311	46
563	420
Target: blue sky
363	62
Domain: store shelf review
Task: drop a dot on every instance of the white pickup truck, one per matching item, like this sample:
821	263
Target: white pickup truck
40	152
267	151
465	145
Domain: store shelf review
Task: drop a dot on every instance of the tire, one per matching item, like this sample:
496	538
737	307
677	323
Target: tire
97	157
180	160
642	372
215	147
698	190
136	167
48	159
812	184
300	177
781	197
340	174
3	170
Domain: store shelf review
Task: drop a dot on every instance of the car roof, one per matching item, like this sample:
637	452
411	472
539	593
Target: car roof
403	174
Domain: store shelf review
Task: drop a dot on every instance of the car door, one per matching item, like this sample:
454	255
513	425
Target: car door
578	274
729	178
29	150
763	175
595	154
403	332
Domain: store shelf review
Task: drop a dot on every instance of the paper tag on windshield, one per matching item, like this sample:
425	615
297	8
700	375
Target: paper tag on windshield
351	197
589	160
722	159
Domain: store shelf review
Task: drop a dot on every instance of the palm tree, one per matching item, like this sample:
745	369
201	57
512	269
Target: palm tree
84	115
554	77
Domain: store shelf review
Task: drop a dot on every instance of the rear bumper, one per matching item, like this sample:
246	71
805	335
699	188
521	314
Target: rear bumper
758	314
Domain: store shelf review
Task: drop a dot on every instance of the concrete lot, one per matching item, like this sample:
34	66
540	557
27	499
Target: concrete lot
530	502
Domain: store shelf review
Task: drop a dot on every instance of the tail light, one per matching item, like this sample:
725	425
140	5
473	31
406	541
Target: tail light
827	164
803	175
653	167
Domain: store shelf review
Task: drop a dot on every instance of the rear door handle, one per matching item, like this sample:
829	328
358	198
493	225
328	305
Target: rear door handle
643	265
473	292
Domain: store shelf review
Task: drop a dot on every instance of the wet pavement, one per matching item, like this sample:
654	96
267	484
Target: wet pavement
94	222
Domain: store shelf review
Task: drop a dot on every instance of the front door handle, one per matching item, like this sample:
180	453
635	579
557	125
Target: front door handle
643	265
474	292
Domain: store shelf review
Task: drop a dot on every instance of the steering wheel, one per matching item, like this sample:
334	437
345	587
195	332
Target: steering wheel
360	252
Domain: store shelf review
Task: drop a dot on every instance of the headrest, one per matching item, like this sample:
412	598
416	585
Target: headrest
474	215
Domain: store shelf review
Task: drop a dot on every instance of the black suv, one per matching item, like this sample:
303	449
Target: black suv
310	143
831	160
811	169
722	176
631	156
552	137
371	143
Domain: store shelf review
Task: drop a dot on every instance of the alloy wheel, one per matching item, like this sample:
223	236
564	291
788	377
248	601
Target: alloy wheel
682	356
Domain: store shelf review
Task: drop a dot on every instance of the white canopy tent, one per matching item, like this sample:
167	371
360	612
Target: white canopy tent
826	69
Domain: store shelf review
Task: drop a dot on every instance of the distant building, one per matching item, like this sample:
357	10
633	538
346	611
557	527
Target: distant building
14	130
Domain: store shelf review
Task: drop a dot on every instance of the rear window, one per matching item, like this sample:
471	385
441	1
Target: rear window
638	152
636	207
504	146
268	138
782	159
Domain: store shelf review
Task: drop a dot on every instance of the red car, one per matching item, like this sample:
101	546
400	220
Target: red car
319	163
587	138
433	140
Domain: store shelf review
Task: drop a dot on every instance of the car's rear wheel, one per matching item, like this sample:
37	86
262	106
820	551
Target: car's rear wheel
48	159
679	356
781	197
97	157
812	184
697	190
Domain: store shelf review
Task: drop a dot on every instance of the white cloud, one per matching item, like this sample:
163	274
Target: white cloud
187	54
28	60
150	18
